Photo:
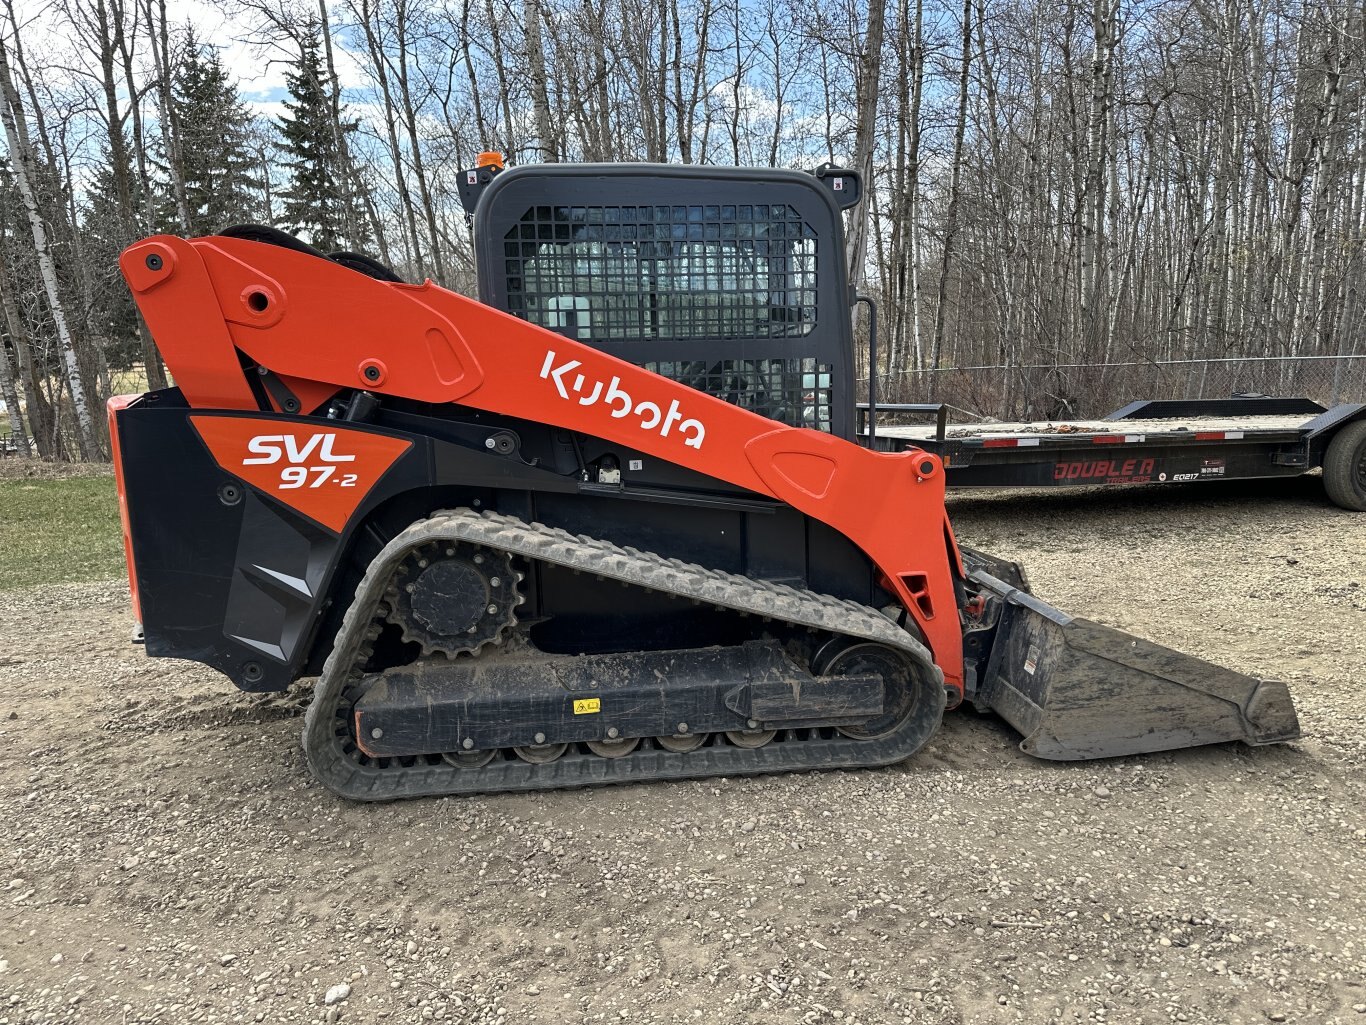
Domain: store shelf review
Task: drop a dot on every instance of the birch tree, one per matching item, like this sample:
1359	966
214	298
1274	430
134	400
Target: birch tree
8	392
25	176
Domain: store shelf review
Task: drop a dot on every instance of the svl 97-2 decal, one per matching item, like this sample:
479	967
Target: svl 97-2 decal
268	449
323	472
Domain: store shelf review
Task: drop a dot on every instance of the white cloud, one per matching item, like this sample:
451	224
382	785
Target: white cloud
258	68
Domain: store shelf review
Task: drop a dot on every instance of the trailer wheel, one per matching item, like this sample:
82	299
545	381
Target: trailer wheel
1344	467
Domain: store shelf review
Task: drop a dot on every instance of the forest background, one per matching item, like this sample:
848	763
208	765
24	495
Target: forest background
1072	204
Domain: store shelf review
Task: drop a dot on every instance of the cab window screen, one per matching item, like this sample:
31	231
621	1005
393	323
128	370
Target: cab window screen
791	391
662	273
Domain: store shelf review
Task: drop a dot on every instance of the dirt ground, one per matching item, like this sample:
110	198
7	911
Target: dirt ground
167	858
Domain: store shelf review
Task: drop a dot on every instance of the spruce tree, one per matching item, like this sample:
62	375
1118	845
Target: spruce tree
106	233
216	161
314	202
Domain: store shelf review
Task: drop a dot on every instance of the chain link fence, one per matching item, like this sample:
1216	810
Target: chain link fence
1087	391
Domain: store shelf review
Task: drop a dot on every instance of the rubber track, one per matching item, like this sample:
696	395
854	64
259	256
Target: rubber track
326	739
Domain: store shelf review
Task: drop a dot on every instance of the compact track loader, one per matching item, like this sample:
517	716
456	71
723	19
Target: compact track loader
612	523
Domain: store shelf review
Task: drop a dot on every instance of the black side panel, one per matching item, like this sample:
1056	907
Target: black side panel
711	537
233	578
270	599
829	555
777	548
184	537
226	575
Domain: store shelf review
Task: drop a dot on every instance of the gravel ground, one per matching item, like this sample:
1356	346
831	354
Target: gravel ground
168	859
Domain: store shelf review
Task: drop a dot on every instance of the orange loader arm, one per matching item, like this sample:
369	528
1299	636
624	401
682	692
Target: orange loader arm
323	327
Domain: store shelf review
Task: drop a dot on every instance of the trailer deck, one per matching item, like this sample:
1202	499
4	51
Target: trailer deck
1058	428
1147	443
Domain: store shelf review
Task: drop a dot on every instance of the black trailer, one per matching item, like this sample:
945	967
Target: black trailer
1158	442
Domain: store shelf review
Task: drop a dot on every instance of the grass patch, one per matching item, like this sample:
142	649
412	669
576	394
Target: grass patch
59	531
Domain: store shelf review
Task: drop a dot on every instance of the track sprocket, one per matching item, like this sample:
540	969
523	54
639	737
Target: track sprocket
453	598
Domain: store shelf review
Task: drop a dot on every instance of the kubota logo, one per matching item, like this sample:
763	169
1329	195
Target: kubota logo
574	386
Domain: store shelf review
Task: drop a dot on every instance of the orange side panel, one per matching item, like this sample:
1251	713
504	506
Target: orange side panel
115	403
324	473
310	319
